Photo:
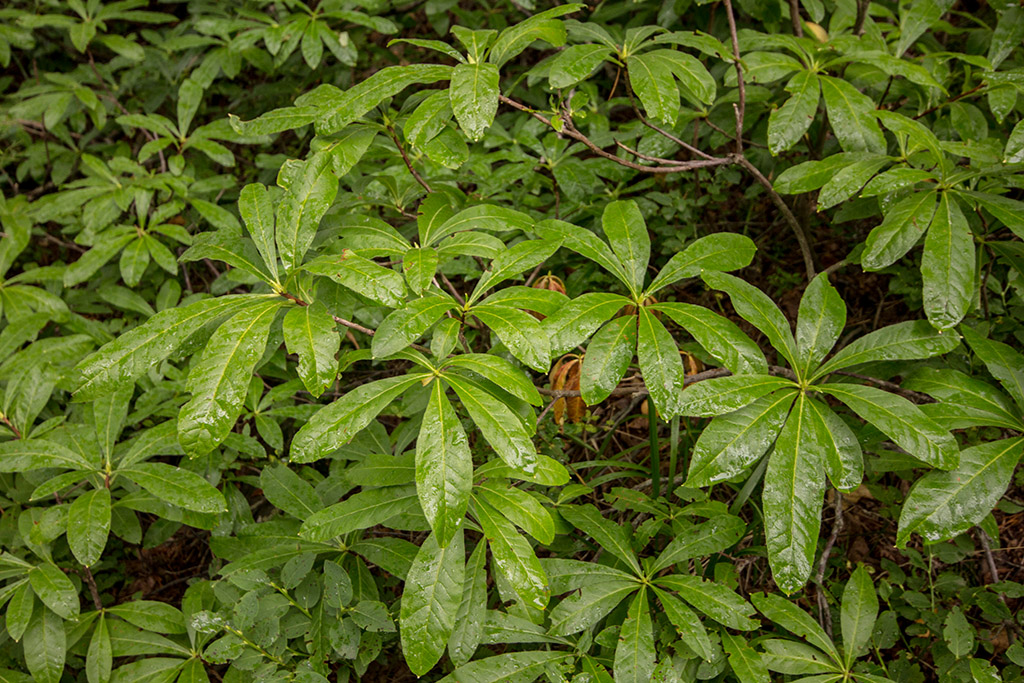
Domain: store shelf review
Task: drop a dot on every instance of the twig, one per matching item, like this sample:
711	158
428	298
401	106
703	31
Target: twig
890	386
405	158
740	108
862	15
798	230
824	612
951	100
91	582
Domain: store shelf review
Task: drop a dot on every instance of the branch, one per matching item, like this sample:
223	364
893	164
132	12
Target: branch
798	230
794	18
741	107
824	612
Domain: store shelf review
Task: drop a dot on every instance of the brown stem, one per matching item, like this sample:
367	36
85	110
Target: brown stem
794	18
91	582
951	100
740	108
10	425
405	158
798	230
824	612
862	15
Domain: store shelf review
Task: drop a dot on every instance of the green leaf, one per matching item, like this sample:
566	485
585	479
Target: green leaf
820	321
444	466
788	123
735	441
520	508
795	658
513	556
230	247
916	18
310	333
963	400
513	261
474	94
575	321
309	195
660	363
721	251
958	633
501	372
609	536
720	395
361	275
908	340
539	27
607	358
755	307
942	505
594	600
1005	363
430	601
478	217
99	657
1008	34
176	486
36	454
900	420
746	663
948	266
576	63
352	104
844	459
518	331
652	80
501	427
407	324
512	667
287	491
56	591
851	116
634	655
585	243
89	525
254	203
859	610
469	620
136	352
45	645
687	624
360	511
220	380
626	230
719	336
419	266
336	424
900	230
792	618
693	76
713	599
20	609
701	540
151	615
849	180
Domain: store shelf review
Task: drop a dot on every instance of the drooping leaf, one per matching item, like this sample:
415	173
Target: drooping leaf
444	466
430	601
309	332
948	266
635	655
220	380
89	525
474	95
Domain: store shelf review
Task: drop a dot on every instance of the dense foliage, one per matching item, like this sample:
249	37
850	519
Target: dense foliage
511	341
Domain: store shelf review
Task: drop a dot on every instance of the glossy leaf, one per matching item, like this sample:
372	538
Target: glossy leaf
89	525
444	466
310	332
948	266
607	359
635	655
430	601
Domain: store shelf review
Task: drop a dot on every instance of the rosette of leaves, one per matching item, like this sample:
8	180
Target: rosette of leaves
618	338
809	651
596	590
942	505
787	417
